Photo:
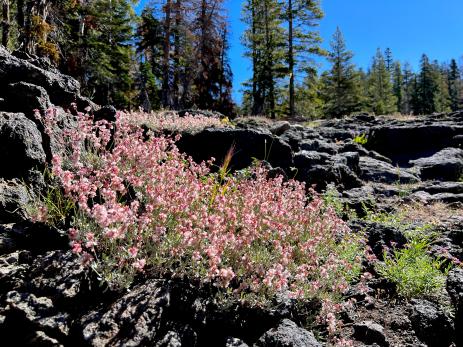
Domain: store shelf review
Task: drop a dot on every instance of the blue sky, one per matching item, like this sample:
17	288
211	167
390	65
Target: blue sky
408	27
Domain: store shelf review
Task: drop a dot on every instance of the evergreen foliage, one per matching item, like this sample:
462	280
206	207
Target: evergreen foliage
341	85
380	93
174	55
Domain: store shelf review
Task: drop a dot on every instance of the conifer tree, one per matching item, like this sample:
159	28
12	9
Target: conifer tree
425	88
441	94
301	16
409	85
265	40
341	88
389	60
381	97
454	85
398	84
5	22
212	80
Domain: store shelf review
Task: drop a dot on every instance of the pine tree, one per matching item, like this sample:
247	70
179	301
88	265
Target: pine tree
398	85
301	16
308	97
341	86
455	86
441	94
409	85
381	97
389	60
265	40
426	87
5	22
213	73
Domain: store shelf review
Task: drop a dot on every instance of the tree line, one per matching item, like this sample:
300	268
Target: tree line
174	55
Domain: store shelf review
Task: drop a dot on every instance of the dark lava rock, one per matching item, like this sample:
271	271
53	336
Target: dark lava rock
62	90
107	113
35	237
455	290
234	342
379	171
318	146
135	319
359	198
431	324
248	144
20	146
14	197
371	333
287	334
26	97
412	140
441	187
279	128
446	165
379	236
321	169
26	315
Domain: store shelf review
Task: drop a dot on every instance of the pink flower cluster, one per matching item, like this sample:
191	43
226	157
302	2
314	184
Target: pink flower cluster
171	121
143	205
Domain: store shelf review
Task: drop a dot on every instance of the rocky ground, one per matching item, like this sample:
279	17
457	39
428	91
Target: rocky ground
408	165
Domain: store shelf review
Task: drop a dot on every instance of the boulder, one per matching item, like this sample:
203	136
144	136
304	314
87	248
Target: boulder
370	333
318	146
412	140
279	128
28	316
134	319
62	89
321	169
445	165
375	170
26	97
455	290
287	334
247	144
34	237
379	236
14	197
20	146
431	324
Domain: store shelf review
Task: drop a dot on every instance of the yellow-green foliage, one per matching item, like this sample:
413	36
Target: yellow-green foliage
415	272
361	139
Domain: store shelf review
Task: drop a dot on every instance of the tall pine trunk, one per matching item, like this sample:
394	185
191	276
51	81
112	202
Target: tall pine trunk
269	63
5	22
255	98
291	59
166	57
176	81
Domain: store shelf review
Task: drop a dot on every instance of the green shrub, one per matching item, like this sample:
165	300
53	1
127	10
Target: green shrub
414	271
361	139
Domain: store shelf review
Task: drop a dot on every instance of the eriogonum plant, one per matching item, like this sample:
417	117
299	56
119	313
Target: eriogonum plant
144	206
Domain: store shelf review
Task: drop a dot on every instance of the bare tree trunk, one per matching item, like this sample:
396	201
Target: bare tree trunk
176	81
291	59
269	63
255	99
166	62
5	22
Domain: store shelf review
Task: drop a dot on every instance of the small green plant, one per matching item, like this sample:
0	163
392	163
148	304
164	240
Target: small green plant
331	199
52	206
361	139
414	271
